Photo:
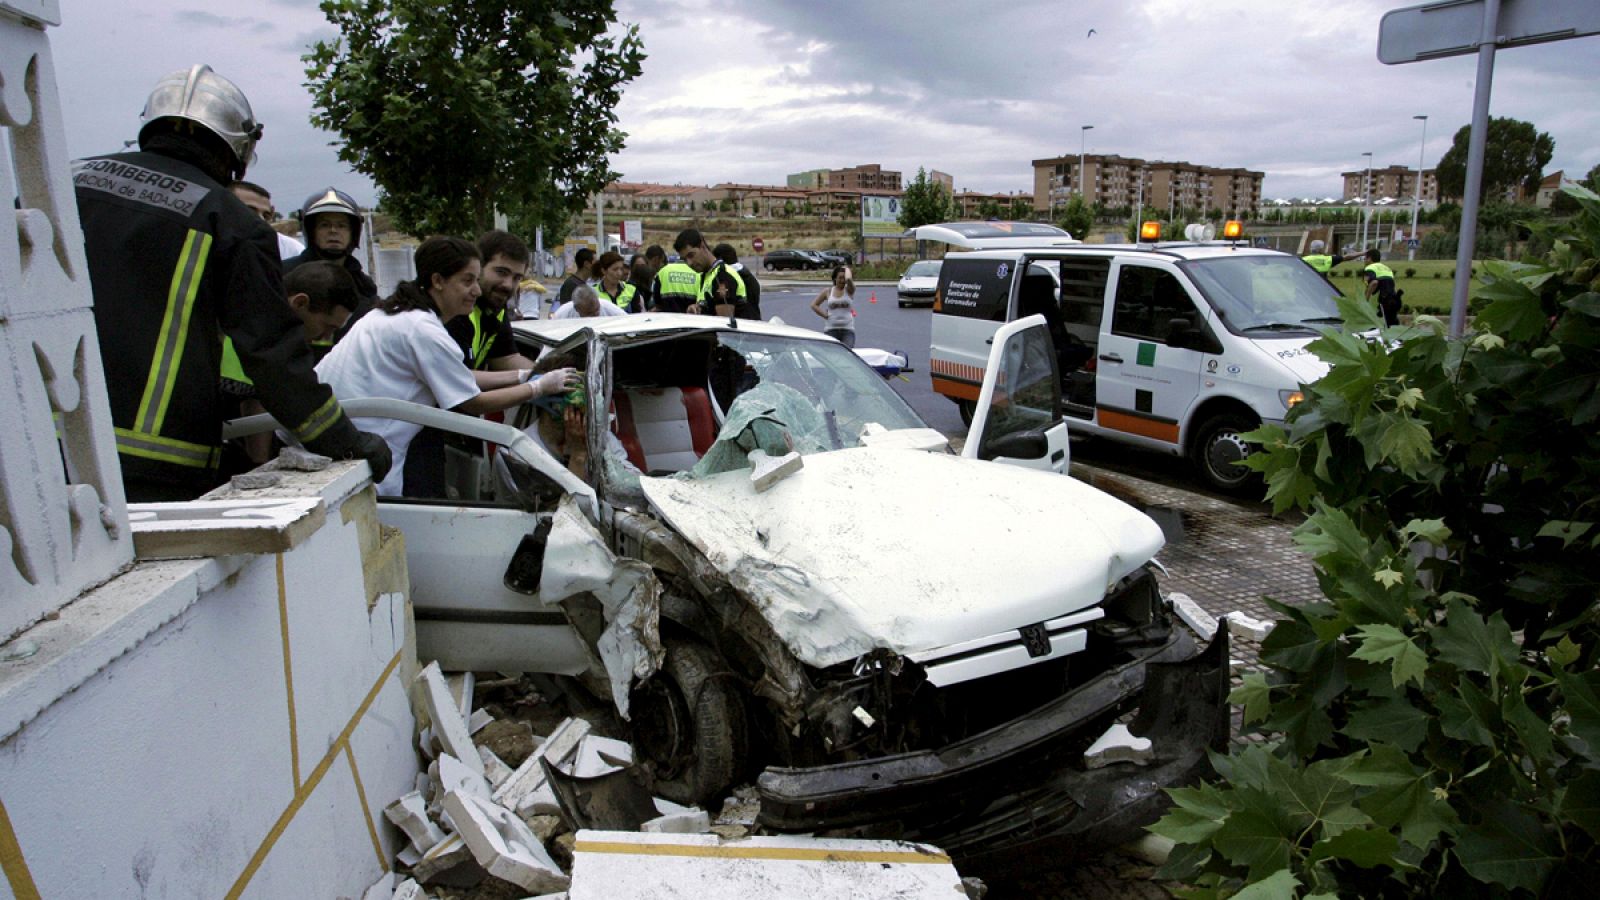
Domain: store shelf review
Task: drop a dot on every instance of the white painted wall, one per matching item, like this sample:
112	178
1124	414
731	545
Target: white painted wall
214	758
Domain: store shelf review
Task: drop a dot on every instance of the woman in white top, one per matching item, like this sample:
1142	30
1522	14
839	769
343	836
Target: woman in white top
401	350
836	304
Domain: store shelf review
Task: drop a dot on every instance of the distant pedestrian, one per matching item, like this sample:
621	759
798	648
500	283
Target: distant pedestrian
1380	282
752	285
836	304
582	262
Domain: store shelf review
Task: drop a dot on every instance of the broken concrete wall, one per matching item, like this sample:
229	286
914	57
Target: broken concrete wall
222	726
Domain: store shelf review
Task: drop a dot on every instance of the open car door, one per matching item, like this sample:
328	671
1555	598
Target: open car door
1018	417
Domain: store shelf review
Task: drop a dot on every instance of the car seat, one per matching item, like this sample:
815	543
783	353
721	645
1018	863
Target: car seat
664	429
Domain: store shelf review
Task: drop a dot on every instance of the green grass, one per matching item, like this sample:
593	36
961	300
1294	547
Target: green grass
1424	292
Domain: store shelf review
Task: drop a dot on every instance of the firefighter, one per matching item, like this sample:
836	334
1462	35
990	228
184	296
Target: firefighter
330	224
175	262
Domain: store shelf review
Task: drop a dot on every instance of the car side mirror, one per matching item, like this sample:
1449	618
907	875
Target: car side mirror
1017	445
1183	335
527	563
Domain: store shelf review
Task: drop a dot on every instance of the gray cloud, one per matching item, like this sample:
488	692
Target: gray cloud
203	19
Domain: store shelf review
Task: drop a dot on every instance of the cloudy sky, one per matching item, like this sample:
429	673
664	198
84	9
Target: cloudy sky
752	91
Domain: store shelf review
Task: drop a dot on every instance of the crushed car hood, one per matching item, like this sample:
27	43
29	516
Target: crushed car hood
906	550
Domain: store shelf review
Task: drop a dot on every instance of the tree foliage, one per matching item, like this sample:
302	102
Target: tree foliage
457	109
1434	722
1076	218
925	202
1514	153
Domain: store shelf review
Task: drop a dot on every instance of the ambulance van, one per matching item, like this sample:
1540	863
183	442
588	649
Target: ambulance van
1180	347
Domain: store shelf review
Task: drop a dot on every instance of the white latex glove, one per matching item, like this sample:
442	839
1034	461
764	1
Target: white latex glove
556	381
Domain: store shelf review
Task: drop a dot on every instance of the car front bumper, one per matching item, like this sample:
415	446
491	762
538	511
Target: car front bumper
1018	796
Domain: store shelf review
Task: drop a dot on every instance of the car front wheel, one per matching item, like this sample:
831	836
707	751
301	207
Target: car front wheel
689	723
1219	448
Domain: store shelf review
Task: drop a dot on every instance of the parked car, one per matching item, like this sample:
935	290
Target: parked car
1179	347
837	257
773	567
918	283
778	260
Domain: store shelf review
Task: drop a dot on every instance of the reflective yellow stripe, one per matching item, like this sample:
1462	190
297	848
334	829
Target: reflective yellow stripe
174	330
163	449
319	421
232	368
480	341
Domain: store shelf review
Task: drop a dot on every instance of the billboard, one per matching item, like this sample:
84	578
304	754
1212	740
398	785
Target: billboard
880	217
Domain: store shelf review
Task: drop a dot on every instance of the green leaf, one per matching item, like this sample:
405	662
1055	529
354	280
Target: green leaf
1196	813
1404	441
1469	642
1276	886
1510	847
1565	652
1329	532
1386	643
1582	695
1533	731
1291	646
1184	862
1364	847
1580	805
1434	531
1566	531
1255	695
1358	314
1256	839
1468	715
1404	797
1392	720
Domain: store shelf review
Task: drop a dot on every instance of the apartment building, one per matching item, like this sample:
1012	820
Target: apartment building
630	196
971	204
1396	182
1121	182
866	179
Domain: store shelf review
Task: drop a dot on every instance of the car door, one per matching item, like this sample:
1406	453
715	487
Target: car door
972	300
1144	387
1018	416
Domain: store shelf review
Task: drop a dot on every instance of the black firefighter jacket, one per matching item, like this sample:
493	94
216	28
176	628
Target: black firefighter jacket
175	261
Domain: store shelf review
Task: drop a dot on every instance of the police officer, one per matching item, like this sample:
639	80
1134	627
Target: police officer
720	291
1321	261
751	308
1380	281
676	288
175	262
330	224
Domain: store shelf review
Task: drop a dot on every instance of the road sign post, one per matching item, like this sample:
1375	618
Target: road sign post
1459	27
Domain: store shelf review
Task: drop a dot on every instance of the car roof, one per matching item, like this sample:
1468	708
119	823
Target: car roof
1171	250
984	235
556	331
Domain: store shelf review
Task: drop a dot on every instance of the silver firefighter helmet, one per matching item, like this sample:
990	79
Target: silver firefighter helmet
200	95
330	201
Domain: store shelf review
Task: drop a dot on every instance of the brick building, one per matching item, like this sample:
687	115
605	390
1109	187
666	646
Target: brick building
1115	182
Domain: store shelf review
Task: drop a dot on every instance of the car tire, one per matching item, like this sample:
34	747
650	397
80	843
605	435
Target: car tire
901	303
1217	448
767	266
966	408
690	724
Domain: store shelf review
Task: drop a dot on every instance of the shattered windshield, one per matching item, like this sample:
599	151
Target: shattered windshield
1259	296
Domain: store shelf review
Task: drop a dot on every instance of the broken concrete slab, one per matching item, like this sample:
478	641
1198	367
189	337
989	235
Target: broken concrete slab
599	756
410	890
223	527
689	821
526	791
493	768
503	845
449	863
461	686
1203	624
255	481
479	720
628	866
410	815
295	459
1117	745
740	808
449	728
382	889
1245	626
544	826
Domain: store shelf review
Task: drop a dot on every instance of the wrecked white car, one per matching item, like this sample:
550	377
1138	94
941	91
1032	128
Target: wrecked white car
774	569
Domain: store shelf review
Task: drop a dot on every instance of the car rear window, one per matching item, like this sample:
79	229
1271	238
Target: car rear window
974	288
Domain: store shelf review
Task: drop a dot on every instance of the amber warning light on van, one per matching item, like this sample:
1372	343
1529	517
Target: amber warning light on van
1232	230
1150	231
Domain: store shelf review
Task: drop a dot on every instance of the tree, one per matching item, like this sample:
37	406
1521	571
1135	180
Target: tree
1021	210
1514	153
1434	722
1075	217
924	202
455	109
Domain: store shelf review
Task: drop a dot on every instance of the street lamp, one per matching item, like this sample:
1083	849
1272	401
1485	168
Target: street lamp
1083	140
1366	201
1416	201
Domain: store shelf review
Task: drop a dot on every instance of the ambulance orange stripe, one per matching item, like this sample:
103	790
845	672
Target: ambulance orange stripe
1120	421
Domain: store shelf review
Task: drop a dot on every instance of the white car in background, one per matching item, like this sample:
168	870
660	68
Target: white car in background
919	282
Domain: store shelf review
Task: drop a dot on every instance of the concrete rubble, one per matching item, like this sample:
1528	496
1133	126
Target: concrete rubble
485	821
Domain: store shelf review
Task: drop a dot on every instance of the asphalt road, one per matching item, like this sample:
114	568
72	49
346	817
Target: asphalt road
882	324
